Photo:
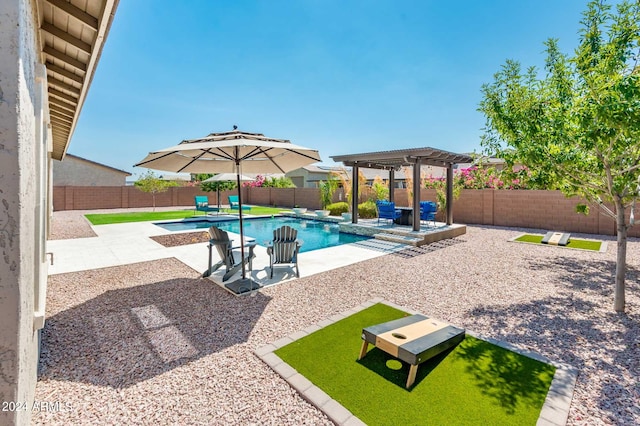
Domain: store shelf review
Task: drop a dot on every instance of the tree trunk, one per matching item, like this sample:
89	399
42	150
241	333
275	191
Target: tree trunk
621	262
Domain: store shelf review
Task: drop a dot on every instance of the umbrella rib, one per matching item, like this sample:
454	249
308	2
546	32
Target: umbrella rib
205	151
154	159
260	150
193	160
221	152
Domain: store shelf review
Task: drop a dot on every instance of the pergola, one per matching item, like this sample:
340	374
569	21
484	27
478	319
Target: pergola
393	161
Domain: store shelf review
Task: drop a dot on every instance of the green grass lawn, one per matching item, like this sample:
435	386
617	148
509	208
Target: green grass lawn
573	242
473	383
110	218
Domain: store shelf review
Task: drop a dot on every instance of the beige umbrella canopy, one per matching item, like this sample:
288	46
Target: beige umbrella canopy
223	152
232	152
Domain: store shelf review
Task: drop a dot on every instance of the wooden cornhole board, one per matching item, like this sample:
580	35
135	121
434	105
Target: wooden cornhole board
413	339
556	238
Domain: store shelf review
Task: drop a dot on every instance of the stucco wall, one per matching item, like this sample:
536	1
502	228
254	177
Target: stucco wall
18	340
73	171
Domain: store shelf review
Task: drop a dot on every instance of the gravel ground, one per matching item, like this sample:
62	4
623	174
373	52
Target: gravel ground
150	343
183	238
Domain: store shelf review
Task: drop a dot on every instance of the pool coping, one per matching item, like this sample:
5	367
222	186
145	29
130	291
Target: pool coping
361	237
554	412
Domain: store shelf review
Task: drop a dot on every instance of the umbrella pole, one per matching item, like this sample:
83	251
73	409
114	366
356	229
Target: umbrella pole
241	227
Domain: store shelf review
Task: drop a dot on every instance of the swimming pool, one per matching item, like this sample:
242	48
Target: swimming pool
315	234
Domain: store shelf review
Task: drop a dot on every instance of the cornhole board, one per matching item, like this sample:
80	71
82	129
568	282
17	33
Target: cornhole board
414	340
556	238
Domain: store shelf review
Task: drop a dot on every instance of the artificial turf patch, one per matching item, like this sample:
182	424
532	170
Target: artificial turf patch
573	242
109	218
474	383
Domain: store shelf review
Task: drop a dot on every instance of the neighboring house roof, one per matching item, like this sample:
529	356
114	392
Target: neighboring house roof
71	39
98	164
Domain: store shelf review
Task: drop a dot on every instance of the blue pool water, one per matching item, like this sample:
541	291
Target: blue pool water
315	234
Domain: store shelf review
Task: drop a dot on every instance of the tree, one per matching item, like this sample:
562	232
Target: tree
279	182
578	127
222	185
151	183
327	189
440	185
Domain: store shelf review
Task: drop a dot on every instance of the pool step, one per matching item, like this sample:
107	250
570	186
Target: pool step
399	238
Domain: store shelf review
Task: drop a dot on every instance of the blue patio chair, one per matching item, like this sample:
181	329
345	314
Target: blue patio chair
428	211
387	210
202	205
234	203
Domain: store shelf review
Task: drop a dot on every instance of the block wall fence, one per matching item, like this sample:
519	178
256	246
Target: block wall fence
548	210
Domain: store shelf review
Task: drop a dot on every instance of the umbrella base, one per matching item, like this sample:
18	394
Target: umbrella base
243	286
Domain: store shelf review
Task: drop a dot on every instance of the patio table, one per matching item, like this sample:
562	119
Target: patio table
406	218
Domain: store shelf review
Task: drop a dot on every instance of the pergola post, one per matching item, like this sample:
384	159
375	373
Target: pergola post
450	194
392	184
416	194
354	193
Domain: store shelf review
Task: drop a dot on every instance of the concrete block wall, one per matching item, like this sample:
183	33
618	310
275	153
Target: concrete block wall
528	209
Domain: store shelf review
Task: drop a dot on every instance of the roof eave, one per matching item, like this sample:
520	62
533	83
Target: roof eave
62	133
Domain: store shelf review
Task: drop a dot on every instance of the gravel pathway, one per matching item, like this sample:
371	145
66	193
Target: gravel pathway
150	343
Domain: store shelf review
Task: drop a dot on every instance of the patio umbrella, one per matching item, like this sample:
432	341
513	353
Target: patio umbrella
232	152
227	177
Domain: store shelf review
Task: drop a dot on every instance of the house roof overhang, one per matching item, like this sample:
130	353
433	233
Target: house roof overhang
71	37
402	157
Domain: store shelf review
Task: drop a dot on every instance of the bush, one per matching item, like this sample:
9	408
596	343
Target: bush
337	209
367	210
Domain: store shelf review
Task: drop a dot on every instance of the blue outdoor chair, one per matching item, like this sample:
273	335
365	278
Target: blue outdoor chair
428	211
234	203
202	205
387	210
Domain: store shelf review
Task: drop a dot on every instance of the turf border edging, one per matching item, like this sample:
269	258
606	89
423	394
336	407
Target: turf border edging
555	410
603	245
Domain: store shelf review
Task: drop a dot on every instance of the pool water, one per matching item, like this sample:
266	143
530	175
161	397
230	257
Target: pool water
314	234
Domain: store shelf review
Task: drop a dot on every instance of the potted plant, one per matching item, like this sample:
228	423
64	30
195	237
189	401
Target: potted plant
299	210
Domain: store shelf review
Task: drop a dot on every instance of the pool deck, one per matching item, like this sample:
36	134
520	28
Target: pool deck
121	244
388	231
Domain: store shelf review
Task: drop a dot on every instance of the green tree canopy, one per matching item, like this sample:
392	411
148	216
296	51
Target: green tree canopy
577	127
153	184
278	182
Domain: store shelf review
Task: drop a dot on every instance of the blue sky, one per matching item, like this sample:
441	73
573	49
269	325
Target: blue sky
340	76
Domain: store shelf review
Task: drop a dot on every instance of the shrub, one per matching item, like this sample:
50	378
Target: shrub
380	190
367	210
337	209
